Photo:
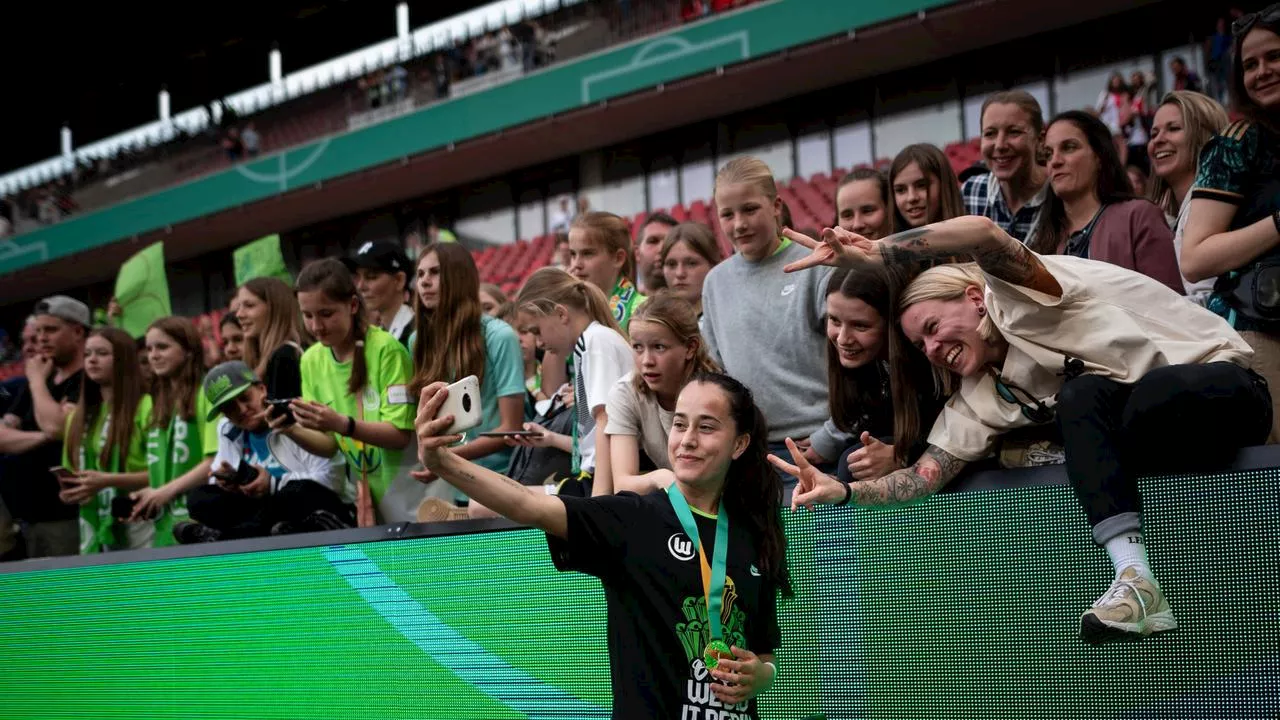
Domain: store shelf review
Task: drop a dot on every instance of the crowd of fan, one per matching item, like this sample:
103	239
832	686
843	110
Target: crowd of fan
303	417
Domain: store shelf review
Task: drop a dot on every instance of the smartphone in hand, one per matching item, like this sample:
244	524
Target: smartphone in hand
280	408
463	403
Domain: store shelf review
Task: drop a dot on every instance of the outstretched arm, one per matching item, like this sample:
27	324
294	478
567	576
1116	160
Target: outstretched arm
496	492
928	475
996	252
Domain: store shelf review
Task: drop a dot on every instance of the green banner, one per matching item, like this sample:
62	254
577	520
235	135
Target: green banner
755	31
142	290
261	258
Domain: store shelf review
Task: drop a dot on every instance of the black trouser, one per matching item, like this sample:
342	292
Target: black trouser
1176	419
241	516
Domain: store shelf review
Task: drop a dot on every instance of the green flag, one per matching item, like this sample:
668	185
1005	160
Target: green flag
261	258
142	290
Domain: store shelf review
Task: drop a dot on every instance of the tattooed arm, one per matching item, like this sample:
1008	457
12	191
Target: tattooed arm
996	252
999	254
932	471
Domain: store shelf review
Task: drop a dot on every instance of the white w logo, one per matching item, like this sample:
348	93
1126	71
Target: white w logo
681	547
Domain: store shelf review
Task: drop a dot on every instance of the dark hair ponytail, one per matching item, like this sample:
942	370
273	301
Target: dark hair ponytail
332	278
752	491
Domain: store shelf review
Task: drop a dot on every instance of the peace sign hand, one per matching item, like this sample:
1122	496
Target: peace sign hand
838	247
815	487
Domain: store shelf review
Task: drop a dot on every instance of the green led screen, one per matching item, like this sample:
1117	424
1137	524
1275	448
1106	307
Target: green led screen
962	607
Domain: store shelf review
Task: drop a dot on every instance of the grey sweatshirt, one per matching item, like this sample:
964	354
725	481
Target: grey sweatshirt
766	328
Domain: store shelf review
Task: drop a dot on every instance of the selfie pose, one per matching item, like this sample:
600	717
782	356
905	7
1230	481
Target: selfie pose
1119	361
690	575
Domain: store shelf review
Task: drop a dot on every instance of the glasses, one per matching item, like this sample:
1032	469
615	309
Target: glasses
1032	409
1245	23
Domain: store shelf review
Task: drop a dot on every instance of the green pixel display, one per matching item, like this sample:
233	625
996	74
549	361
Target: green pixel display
962	607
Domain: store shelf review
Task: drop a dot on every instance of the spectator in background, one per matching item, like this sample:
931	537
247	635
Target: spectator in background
1014	191
34	424
1218	62
1093	211
232	145
1183	77
1184	124
925	187
1137	180
1114	107
864	204
441	76
232	337
493	302
648	252
283	488
382	272
561	218
250	140
560	255
273	335
688	254
437	234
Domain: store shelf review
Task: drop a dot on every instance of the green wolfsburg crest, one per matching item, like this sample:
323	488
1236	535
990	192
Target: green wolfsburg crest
219	385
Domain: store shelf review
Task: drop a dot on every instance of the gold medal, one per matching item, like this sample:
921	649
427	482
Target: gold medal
716	649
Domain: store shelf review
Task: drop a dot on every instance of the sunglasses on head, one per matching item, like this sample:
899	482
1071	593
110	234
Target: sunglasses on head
1032	409
1245	23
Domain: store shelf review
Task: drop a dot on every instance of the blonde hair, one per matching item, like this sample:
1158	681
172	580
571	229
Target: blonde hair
610	232
948	282
749	170
1202	118
677	315
550	286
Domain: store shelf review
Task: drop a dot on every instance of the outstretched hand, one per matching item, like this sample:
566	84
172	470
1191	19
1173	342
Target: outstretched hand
873	460
837	247
430	428
814	487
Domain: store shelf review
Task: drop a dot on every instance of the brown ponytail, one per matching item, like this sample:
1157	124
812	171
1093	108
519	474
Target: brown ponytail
332	278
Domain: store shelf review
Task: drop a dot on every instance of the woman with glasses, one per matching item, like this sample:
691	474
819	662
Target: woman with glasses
1139	381
1232	233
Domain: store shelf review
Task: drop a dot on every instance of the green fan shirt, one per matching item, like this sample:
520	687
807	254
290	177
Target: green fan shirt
99	531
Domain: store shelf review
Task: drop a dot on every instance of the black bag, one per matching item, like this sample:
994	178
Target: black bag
532	466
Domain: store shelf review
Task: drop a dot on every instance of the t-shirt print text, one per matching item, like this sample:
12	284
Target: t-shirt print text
680	547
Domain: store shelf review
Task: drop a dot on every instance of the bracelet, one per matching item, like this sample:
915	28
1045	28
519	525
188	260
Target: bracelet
351	426
848	495
773	677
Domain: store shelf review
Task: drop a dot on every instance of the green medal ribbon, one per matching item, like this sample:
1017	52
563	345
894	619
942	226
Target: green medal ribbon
713	576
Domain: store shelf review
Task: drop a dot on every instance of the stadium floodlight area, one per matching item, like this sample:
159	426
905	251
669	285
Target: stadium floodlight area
408	44
965	606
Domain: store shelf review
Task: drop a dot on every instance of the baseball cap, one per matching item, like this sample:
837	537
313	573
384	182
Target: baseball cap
66	308
381	255
225	382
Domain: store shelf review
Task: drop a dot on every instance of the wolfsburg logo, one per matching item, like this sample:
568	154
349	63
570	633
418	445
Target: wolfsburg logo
681	547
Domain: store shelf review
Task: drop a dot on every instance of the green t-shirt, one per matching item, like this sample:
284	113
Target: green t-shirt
385	399
171	452
98	530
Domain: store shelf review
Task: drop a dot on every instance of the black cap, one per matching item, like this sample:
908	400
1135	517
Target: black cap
381	255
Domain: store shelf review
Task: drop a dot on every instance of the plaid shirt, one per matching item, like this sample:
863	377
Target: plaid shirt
981	194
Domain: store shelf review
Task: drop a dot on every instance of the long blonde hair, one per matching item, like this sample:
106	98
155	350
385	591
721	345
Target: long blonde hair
1202	118
450	339
284	323
551	286
175	395
676	314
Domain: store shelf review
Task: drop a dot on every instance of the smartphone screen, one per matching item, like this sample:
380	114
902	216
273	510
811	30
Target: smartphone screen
512	433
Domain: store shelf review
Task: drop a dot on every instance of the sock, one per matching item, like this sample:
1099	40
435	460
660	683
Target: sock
1127	550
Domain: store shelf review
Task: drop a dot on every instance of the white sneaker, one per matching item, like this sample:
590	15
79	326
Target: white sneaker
1133	607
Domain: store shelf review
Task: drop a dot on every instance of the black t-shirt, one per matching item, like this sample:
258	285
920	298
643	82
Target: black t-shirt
656	609
283	375
30	491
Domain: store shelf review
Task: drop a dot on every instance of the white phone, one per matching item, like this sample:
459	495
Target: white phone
463	404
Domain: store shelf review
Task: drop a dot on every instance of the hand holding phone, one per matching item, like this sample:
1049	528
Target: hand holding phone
509	434
280	408
463	403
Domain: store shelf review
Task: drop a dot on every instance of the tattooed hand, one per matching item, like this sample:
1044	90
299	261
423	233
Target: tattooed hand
931	472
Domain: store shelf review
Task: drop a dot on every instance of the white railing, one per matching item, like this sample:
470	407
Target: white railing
428	38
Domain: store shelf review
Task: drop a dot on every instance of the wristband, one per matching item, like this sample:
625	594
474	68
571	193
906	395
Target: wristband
773	677
848	494
351	426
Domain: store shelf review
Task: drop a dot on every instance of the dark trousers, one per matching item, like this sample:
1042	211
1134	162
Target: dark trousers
241	516
1177	419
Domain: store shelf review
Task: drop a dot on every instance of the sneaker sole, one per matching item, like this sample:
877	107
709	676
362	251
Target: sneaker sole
1096	632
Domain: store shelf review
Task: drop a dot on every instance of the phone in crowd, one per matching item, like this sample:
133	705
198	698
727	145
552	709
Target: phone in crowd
463	404
510	433
62	473
122	507
243	475
280	408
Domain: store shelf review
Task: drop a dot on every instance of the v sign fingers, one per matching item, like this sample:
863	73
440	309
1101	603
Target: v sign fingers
800	238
